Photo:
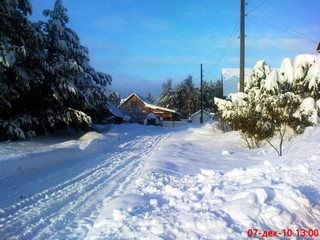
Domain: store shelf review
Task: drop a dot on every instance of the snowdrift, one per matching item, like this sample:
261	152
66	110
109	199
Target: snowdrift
22	157
157	183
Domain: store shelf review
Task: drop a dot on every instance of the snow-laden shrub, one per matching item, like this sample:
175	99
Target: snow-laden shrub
313	79
275	100
308	110
302	64
259	73
244	115
222	114
151	119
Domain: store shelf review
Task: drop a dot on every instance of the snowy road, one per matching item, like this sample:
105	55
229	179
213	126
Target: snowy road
74	203
137	182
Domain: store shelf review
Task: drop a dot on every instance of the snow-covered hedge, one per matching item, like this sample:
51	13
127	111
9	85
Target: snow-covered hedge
275	100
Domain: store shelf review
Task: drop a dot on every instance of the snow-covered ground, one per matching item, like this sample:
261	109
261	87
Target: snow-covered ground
138	182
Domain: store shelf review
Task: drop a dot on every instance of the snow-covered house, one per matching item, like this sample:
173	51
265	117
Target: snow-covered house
230	79
195	118
138	109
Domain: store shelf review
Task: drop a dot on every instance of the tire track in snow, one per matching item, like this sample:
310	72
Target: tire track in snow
74	204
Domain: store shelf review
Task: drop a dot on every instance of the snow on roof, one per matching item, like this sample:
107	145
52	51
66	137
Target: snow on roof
230	78
147	103
198	112
115	110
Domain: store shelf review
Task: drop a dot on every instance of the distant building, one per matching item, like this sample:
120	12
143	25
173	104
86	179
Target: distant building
230	79
195	118
138	109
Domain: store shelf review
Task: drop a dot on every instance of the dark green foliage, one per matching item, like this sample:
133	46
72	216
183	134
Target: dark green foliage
46	81
186	98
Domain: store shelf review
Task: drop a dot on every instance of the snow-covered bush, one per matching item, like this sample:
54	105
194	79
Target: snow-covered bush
151	119
313	79
275	100
244	115
259	73
302	64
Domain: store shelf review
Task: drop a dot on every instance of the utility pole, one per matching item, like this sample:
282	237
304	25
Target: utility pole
201	87
242	36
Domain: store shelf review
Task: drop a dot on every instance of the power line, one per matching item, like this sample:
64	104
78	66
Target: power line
234	34
257	6
287	29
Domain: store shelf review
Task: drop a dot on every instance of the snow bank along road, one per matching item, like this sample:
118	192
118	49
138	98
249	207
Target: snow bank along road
67	202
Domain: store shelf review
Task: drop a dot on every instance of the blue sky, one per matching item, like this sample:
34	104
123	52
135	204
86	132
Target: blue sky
141	43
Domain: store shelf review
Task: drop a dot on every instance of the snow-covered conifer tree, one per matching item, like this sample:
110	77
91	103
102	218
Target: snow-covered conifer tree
12	47
185	97
210	91
166	97
17	51
72	85
46	80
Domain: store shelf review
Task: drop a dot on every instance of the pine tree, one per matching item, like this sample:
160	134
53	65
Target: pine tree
185	97
12	47
150	98
46	81
210	91
17	49
73	88
166	98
